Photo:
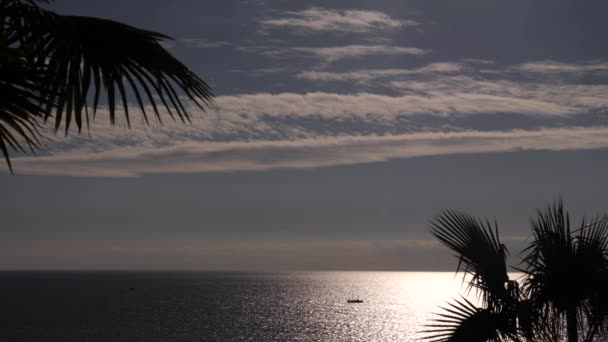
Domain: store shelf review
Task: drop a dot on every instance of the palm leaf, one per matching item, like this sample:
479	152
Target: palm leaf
19	105
69	64
592	254
463	321
479	251
89	55
566	271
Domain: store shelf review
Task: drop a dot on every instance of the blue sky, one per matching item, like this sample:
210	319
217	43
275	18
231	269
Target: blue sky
339	129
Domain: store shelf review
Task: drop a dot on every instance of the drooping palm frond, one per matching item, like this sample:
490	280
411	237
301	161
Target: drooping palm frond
479	251
85	62
88	53
85	55
464	322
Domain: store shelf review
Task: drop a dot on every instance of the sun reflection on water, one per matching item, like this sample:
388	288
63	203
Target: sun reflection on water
395	307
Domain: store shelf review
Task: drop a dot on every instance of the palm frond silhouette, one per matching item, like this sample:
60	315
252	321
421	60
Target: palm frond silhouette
563	294
58	67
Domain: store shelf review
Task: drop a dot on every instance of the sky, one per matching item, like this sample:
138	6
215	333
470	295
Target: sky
339	130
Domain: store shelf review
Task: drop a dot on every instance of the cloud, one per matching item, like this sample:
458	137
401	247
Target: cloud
553	67
331	105
334	53
372	74
201	43
318	19
191	156
573	98
438	104
471	69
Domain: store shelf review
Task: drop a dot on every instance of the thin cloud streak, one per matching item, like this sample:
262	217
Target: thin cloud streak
570	97
191	157
331	105
333	53
318	19
535	70
372	74
550	67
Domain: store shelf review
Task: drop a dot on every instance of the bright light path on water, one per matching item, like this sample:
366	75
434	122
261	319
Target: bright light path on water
396	305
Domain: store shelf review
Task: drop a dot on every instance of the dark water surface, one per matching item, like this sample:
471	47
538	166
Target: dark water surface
218	306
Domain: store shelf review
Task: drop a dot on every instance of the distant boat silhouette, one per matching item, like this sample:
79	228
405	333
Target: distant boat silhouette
354	301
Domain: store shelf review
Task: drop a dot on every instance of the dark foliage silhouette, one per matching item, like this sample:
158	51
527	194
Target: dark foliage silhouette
59	68
563	294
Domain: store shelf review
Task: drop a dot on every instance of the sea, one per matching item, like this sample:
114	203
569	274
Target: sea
220	306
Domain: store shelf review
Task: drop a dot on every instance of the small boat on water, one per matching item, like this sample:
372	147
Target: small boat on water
354	301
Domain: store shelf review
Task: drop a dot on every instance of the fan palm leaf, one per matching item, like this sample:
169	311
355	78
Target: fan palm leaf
463	321
480	253
86	54
85	62
564	292
565	271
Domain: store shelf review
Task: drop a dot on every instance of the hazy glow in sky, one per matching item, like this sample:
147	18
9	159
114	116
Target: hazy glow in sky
339	129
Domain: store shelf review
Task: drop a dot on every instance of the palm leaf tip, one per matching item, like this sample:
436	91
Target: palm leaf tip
464	322
19	105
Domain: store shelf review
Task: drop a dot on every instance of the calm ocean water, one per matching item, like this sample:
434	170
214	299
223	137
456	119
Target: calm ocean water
217	306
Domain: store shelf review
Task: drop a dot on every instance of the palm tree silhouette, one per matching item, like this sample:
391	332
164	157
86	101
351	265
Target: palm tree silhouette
563	294
58	67
566	275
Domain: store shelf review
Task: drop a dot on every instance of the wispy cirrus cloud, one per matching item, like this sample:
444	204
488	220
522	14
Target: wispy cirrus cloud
468	81
566	73
333	105
318	19
553	67
334	53
577	97
193	156
447	103
371	74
